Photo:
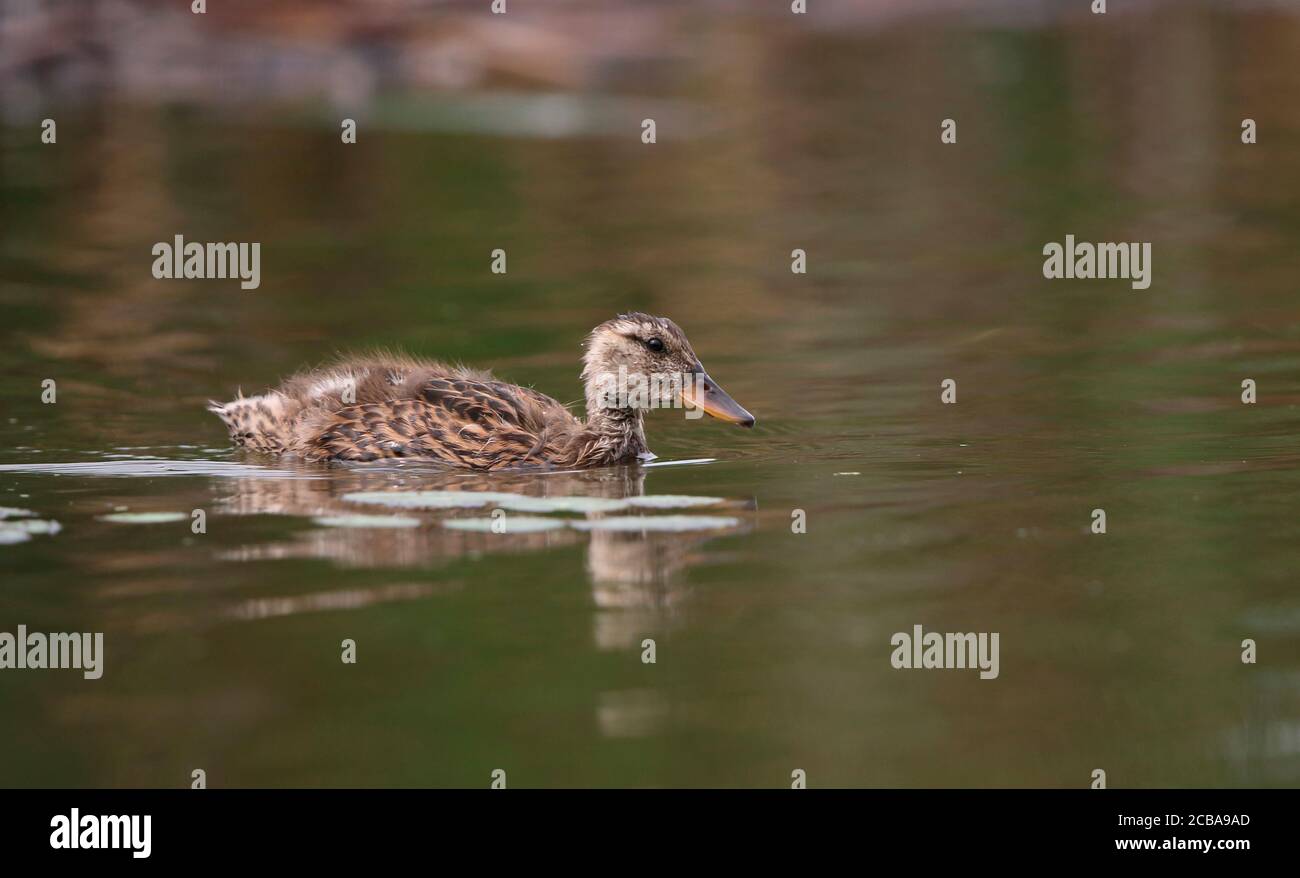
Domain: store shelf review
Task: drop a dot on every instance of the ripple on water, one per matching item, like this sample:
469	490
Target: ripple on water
119	464
161	467
524	503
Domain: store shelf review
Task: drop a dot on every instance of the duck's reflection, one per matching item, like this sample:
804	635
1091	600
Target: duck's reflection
634	573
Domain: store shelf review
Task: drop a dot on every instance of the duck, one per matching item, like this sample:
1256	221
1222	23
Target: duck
375	406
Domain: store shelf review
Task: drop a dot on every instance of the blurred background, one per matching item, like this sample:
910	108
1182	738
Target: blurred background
775	131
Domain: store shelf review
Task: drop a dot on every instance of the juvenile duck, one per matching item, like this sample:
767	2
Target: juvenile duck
366	408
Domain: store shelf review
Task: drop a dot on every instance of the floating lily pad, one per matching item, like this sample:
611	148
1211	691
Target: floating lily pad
671	501
144	517
511	524
520	503
429	499
21	531
670	523
367	521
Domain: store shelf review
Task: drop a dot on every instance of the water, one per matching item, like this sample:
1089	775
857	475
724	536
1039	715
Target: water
523	651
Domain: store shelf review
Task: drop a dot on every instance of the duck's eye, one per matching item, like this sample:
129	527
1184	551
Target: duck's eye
655	344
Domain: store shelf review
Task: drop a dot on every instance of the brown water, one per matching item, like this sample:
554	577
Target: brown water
523	651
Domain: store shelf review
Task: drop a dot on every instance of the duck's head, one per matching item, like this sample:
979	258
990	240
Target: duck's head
637	361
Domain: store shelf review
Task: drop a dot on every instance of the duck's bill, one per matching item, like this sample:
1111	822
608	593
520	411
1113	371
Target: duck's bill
705	394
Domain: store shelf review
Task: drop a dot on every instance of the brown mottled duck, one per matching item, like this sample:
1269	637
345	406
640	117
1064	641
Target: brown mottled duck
386	406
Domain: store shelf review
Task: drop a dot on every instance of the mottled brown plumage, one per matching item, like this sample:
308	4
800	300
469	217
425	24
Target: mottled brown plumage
383	406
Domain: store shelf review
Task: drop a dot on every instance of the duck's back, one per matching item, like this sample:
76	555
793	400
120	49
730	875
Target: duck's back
371	407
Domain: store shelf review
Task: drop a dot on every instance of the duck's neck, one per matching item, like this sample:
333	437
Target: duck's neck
618	431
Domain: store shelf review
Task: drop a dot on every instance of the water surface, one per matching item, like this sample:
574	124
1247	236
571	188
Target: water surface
523	650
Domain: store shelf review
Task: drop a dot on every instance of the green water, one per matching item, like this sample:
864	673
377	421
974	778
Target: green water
479	651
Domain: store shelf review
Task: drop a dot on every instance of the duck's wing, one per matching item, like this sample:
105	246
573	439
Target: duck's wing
480	424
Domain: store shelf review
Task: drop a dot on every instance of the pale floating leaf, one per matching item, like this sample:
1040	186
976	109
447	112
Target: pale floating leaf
429	499
583	505
513	524
10	535
144	517
667	523
521	503
21	531
671	501
366	521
